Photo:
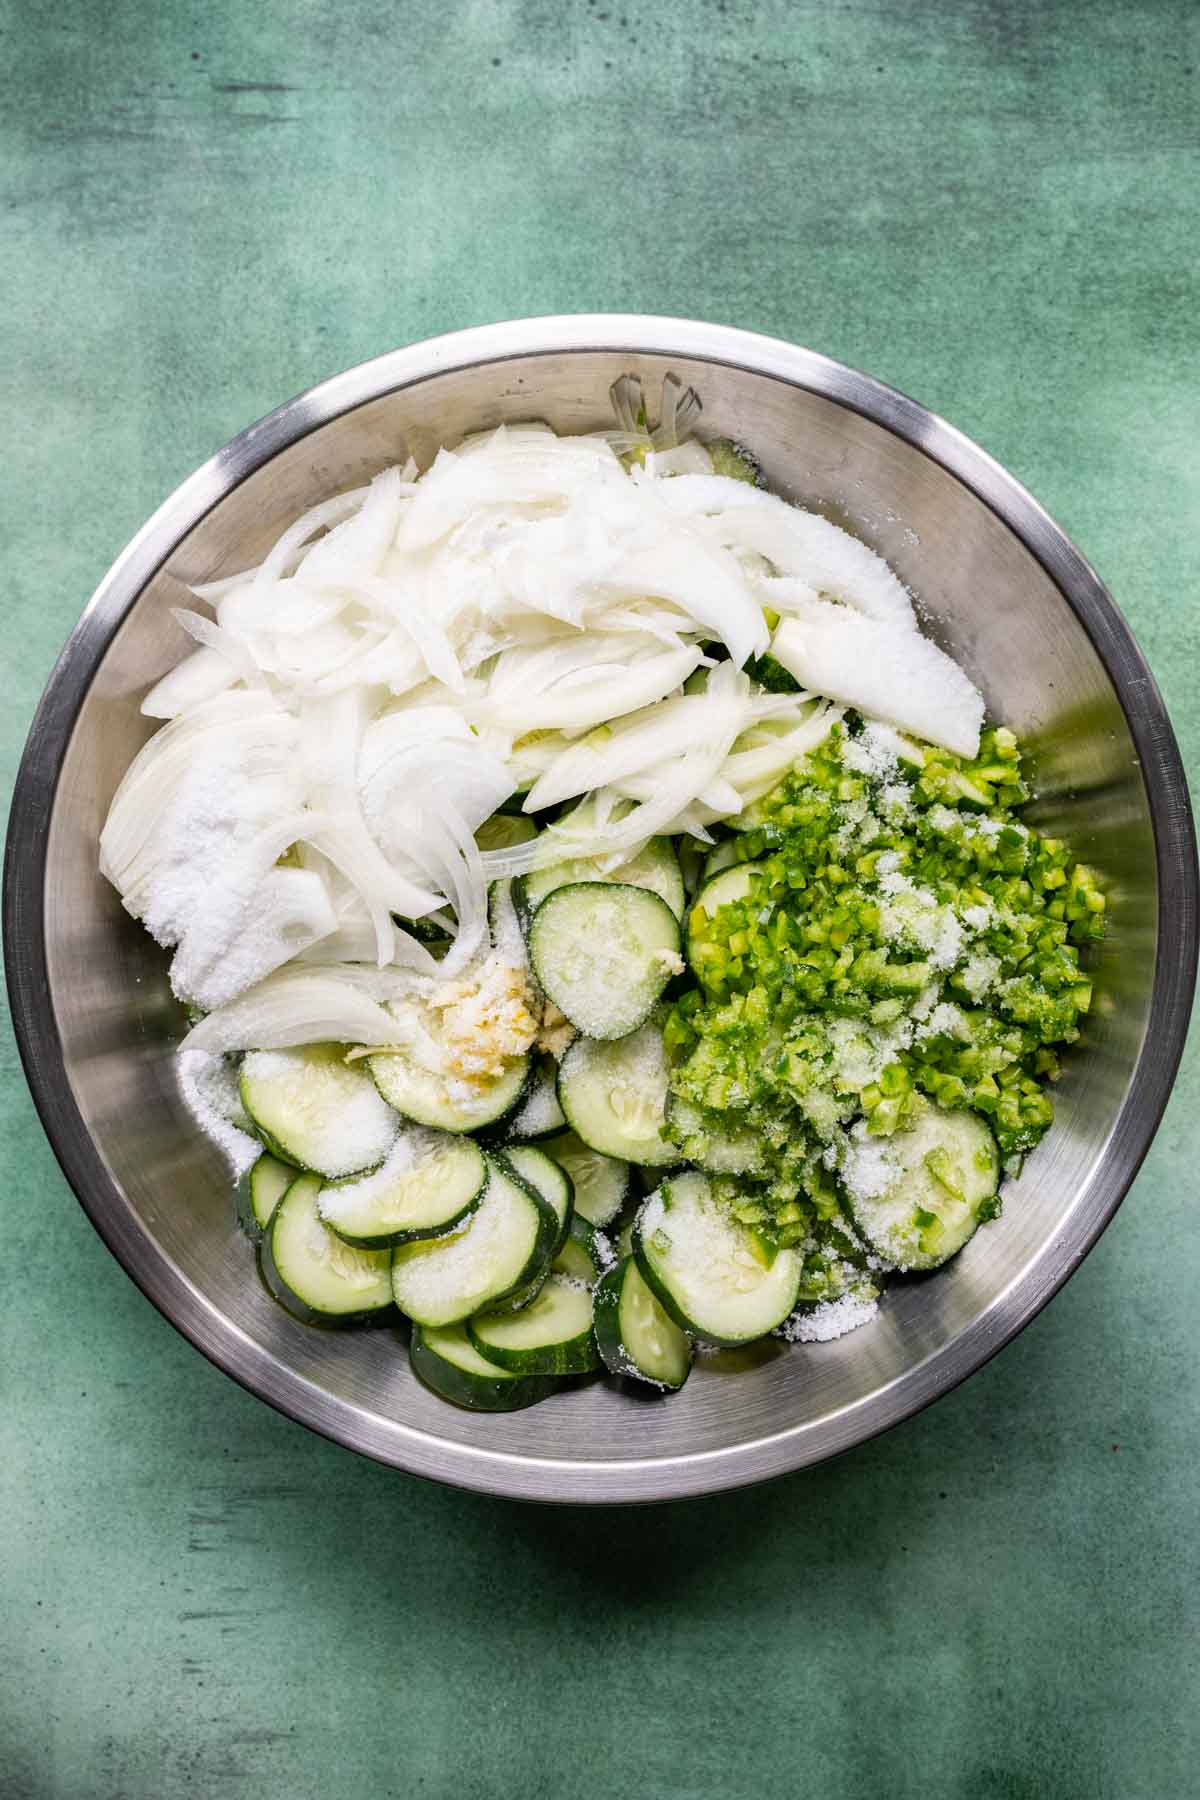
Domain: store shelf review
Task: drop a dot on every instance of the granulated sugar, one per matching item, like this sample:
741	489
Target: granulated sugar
832	1319
209	1089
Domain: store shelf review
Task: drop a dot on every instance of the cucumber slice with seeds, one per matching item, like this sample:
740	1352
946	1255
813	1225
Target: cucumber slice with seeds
547	1178
716	1279
917	1197
634	1335
603	953
550	1336
445	1102
602	1184
615	1096
429	1184
262	1188
583	1255
315	1110
499	1257
312	1273
656	868
449	1365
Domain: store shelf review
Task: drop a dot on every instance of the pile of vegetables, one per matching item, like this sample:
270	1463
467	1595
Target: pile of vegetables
603	928
884	937
536	617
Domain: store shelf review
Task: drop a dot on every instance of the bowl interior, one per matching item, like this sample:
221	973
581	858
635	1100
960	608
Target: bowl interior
988	599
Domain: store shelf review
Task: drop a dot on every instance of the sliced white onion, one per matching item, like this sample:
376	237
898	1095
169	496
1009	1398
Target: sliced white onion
246	928
795	542
645	740
584	682
236	723
211	637
409	654
280	608
287	548
199	677
886	672
294	1006
357	546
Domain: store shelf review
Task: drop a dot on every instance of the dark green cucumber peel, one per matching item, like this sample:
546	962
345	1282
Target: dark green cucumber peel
537	1263
471	1388
707	1333
291	1302
259	1192
529	1342
581	1255
553	1184
609	1298
391	1240
540	1259
425	1114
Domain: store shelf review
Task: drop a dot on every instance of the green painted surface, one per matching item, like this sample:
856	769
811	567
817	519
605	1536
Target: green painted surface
994	207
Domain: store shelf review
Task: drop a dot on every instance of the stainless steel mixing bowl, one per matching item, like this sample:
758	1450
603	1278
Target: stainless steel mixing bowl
1007	593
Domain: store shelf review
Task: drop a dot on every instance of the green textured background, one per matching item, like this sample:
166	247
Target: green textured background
206	209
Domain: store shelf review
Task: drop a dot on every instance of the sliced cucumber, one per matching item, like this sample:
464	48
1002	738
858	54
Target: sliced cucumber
583	1254
443	1101
550	1336
262	1188
602	1184
723	856
715	1278
312	1273
731	882
499	1257
506	926
503	830
655	867
603	952
430	1183
312	1108
691	866
615	1096
539	1114
448	1363
634	1335
919	1196
548	1179
713	1141
729	885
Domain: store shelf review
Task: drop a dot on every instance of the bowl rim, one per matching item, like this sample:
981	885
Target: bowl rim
610	1481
